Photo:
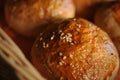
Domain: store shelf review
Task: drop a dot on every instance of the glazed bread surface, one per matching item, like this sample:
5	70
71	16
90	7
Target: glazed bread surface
75	49
27	16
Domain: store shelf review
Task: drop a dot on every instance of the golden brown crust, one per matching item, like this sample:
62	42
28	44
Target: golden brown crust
25	16
108	18
75	50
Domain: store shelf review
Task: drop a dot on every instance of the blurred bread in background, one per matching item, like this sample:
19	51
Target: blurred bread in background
108	18
27	16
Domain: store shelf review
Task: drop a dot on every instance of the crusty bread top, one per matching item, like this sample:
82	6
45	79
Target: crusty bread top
74	50
27	16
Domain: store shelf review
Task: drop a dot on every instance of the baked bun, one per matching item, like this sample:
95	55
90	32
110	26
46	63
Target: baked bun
108	18
75	49
27	16
87	8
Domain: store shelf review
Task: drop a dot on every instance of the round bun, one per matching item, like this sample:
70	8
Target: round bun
87	8
75	49
109	20
27	16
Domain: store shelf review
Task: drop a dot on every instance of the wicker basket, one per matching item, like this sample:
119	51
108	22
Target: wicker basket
13	64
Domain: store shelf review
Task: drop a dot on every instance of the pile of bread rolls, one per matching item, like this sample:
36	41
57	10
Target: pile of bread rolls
61	46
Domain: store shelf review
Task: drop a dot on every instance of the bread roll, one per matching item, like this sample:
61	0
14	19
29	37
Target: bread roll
75	49
27	16
87	8
108	18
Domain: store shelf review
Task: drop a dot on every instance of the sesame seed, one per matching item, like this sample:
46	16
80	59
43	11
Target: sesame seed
45	45
62	34
78	25
64	57
60	63
52	37
60	54
71	56
67	37
92	27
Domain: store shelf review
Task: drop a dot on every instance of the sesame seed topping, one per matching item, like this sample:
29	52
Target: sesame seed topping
64	57
60	54
71	56
67	37
62	34
60	63
45	45
92	27
78	25
52	37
